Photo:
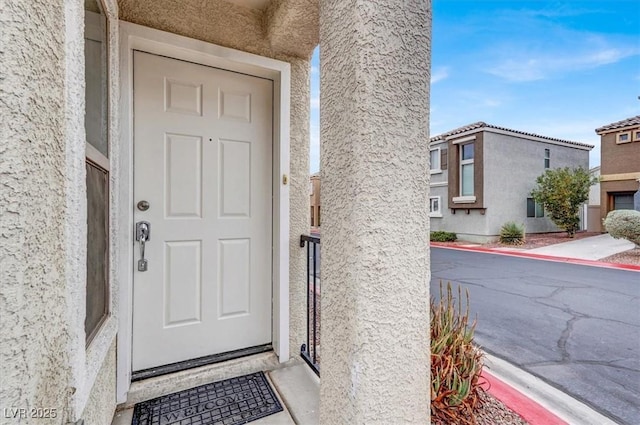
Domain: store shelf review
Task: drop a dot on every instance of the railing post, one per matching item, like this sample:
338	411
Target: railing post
307	350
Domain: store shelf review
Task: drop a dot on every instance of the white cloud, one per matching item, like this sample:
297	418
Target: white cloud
553	50
537	66
439	74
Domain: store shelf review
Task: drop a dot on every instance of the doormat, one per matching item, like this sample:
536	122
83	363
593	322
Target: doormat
230	402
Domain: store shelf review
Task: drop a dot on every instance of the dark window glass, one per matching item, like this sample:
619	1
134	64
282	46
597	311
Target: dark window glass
467	151
97	248
547	158
531	207
443	159
623	202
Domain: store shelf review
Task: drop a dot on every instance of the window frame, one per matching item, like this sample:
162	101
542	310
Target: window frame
438	154
435	212
464	162
547	158
538	209
619	136
636	135
102	162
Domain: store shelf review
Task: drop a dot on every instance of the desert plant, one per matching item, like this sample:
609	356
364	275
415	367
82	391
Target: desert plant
456	363
442	236
562	191
624	224
512	233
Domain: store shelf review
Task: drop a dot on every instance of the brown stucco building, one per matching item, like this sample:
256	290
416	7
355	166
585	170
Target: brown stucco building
314	196
620	165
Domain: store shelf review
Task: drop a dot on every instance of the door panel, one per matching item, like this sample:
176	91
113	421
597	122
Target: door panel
203	161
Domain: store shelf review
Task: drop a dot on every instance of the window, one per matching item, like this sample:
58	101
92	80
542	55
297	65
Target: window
534	209
466	170
444	160
623	138
434	155
636	136
312	222
623	201
434	207
547	158
318	215
97	168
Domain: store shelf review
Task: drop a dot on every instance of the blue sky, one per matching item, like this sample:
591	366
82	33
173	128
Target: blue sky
555	68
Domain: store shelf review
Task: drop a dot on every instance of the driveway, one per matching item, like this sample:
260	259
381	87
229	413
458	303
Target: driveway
577	327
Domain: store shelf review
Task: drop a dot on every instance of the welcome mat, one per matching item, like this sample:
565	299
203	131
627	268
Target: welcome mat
230	402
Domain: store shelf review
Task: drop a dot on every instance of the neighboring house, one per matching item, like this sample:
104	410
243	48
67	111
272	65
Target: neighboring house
315	200
594	222
482	176
154	175
620	165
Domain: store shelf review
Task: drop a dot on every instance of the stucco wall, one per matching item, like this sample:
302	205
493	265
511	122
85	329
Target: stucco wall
375	259
299	202
40	203
522	160
594	191
45	363
102	398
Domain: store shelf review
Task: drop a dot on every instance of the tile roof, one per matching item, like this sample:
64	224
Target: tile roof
482	125
619	124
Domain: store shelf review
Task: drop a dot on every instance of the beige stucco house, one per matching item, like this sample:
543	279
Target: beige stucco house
154	187
469	194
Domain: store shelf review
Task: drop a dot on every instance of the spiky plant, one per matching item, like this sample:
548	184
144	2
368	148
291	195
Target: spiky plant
456	363
512	233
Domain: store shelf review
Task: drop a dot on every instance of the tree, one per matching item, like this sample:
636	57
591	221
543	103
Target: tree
562	191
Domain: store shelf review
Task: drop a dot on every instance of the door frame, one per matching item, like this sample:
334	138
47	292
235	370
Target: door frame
136	37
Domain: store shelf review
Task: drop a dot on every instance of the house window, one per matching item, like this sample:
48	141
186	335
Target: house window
434	206
97	169
534	209
623	137
636	136
435	161
312	222
466	170
623	201
444	160
318	215
547	158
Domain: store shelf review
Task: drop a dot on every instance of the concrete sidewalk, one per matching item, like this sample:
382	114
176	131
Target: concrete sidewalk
591	248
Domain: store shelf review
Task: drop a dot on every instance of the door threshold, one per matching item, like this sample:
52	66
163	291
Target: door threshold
200	361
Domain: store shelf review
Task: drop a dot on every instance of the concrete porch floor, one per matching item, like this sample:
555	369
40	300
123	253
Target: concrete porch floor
295	384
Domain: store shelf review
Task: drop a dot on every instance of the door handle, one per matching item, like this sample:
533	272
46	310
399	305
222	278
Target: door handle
143	235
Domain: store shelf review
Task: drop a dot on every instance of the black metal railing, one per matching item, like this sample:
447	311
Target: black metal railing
310	351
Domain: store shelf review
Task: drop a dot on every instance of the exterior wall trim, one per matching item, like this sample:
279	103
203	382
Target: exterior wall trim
456	137
136	37
618	177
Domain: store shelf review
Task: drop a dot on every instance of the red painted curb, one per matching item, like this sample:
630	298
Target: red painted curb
530	411
540	257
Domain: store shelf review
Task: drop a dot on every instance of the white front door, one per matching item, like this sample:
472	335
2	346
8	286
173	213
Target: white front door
203	162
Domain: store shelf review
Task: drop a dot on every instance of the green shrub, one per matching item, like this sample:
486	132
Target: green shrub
624	224
441	236
512	233
456	363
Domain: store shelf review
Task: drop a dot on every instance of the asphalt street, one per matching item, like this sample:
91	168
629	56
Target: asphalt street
577	327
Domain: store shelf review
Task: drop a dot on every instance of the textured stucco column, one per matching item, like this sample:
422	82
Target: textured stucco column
375	248
298	202
42	230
